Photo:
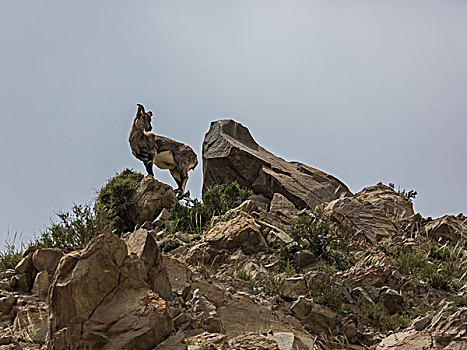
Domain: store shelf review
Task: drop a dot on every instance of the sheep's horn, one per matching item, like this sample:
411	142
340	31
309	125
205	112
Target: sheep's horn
140	108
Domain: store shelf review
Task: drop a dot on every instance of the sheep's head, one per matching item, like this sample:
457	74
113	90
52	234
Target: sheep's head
143	119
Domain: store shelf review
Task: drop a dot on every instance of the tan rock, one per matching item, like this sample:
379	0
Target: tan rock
231	154
449	227
371	221
143	243
211	341
148	200
319	317
46	259
393	203
178	272
41	284
239	232
250	340
99	299
281	205
408	340
32	323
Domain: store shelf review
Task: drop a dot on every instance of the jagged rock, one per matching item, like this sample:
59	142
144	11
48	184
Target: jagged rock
22	282
393	203
449	227
248	341
281	205
392	300
319	317
144	245
25	265
46	259
41	284
408	340
372	276
420	323
295	286
304	258
286	341
206	340
449	324
6	303
239	232
99	299
149	199
231	154
178	272
371	221
32	321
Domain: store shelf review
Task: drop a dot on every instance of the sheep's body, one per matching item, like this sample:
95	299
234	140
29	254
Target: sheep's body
161	151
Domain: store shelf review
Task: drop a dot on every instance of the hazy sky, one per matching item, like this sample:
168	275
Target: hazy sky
366	90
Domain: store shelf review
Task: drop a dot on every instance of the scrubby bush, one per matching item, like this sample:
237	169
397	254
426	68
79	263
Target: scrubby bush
327	240
169	244
73	230
76	228
12	255
112	201
194	216
439	266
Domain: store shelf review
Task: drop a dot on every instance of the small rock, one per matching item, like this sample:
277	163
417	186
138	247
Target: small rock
304	258
392	300
46	259
281	205
6	303
41	284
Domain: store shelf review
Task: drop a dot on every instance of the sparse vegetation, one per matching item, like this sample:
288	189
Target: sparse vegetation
169	244
328	241
12	255
439	266
242	274
76	228
376	316
271	284
73	230
194	217
326	292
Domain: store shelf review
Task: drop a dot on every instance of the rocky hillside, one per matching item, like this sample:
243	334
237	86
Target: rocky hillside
299	262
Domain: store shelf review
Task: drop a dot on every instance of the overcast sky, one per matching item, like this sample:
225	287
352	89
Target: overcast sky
366	90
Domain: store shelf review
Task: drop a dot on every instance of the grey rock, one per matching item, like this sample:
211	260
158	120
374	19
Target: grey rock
231	154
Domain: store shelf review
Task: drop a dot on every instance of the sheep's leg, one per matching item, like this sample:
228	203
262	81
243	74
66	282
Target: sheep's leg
176	175
149	166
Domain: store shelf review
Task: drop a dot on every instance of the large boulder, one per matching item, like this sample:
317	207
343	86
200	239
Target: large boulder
99	300
149	199
392	203
231	154
369	220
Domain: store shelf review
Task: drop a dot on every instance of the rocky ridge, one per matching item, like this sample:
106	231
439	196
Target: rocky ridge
258	279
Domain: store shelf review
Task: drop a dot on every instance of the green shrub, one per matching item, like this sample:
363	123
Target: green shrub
113	200
326	292
11	256
271	284
377	316
242	274
328	241
169	244
76	228
194	217
73	230
411	261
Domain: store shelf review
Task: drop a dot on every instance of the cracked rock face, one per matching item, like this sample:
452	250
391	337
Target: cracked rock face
231	154
99	300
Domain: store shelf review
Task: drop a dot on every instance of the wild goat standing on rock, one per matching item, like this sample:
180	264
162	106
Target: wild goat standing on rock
161	151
